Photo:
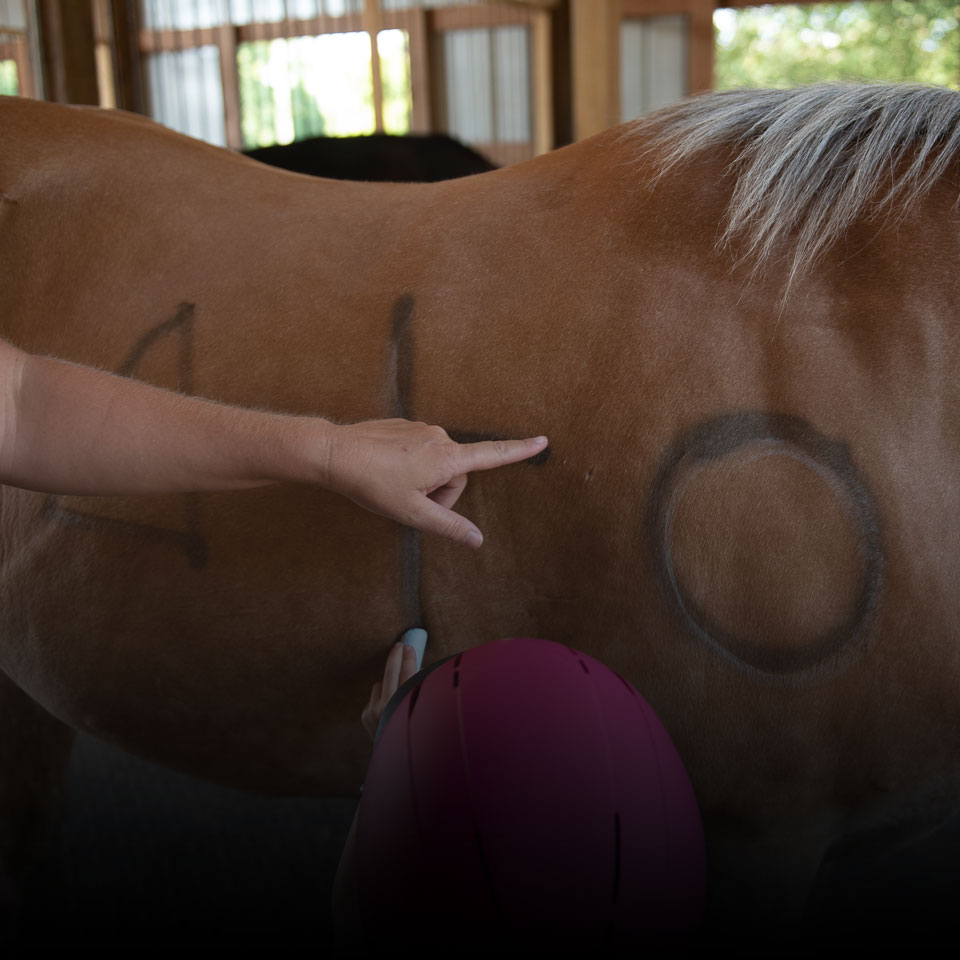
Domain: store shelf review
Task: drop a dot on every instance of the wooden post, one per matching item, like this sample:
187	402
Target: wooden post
700	45
103	53
131	85
24	72
371	23
595	34
230	81
421	113
542	30
439	112
69	66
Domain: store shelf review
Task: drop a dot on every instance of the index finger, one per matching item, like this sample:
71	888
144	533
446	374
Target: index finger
487	454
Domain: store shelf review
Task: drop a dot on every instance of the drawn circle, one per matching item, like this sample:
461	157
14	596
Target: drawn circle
752	437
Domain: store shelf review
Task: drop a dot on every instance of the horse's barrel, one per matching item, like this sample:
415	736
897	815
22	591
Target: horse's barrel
524	788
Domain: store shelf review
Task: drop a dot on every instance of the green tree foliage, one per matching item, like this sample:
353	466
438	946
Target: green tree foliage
256	97
395	80
8	78
258	104
307	118
782	46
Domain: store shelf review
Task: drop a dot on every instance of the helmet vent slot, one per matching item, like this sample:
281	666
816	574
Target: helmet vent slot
616	856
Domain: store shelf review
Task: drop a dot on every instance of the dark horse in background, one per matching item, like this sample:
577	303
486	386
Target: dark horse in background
415	158
737	320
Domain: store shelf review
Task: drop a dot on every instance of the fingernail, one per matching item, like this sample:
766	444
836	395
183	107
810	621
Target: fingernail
474	539
539	439
416	640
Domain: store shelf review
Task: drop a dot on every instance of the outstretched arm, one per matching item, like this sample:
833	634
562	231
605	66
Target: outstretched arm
70	429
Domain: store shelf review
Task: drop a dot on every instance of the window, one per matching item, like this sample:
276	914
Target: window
653	63
15	46
781	46
487	84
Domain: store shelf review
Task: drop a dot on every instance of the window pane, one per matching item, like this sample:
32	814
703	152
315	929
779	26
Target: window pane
511	59
186	92
782	46
653	64
290	89
468	66
190	14
9	83
394	50
12	15
487	74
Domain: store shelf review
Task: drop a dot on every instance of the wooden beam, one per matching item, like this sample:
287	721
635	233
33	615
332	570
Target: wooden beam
372	23
155	41
595	34
466	18
658	8
130	81
171	41
69	65
421	109
438	70
561	76
230	81
700	45
542	76
19	52
103	53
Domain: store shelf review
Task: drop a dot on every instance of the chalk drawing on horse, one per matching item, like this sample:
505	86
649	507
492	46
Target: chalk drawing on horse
188	539
741	442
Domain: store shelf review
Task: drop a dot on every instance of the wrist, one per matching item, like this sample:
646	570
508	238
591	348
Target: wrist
302	453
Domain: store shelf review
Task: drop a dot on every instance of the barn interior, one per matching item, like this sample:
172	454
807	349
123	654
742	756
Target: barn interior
152	859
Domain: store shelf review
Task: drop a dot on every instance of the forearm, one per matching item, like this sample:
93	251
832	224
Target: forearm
73	429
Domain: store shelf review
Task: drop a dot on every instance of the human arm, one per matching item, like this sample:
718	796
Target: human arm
70	429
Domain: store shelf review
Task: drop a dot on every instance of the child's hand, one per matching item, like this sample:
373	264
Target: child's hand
401	666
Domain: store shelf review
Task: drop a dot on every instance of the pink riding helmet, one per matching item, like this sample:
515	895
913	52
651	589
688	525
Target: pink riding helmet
523	788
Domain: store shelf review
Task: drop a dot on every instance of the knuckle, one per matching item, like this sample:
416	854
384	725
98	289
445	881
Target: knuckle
453	529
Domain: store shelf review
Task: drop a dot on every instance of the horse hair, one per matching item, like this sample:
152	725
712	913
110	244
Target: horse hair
812	161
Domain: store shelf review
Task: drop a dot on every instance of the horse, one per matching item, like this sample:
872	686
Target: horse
414	158
736	321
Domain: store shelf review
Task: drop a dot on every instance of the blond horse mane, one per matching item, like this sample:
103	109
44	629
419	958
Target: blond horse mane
811	161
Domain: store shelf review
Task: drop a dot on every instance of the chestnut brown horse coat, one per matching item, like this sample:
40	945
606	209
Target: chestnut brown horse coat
750	508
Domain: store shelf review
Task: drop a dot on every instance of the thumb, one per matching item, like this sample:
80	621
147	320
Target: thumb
434	518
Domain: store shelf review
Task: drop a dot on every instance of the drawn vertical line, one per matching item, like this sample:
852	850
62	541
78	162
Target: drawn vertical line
401	405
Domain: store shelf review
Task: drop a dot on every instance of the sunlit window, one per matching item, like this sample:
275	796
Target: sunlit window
9	82
782	46
186	92
393	48
305	87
